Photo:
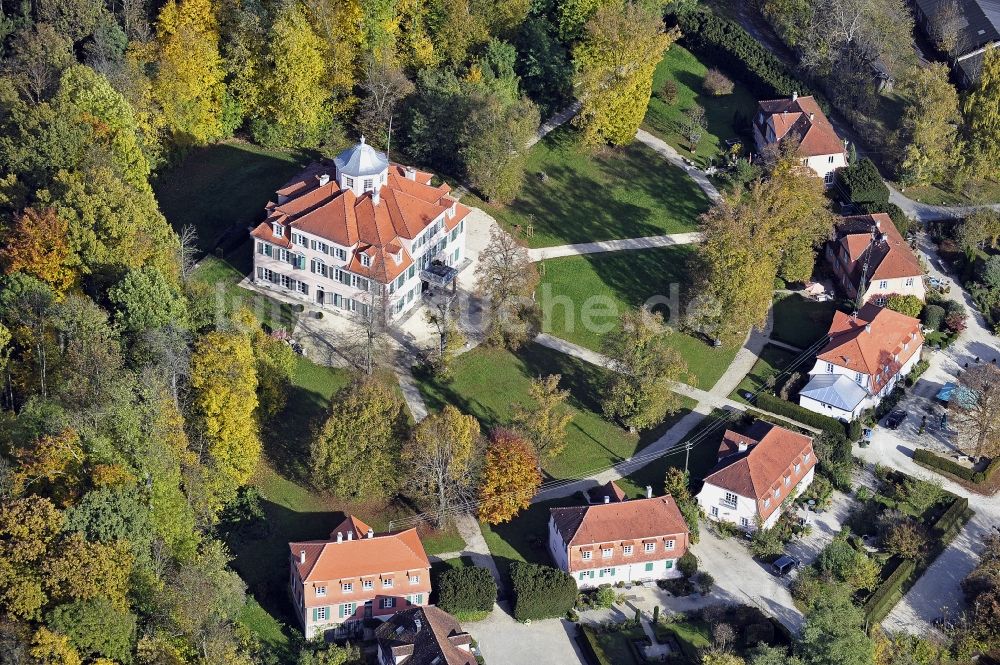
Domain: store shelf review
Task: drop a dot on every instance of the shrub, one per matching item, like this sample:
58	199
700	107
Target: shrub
716	83
927	458
956	322
705	583
688	565
879	604
668	92
906	540
795	412
933	316
605	596
469	589
725	43
541	592
908	305
918	368
861	184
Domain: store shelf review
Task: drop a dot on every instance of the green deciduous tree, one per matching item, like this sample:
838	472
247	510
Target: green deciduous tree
982	118
494	138
909	305
507	279
926	139
614	64
96	628
834	633
144	299
38	55
639	392
355	451
980	229
545	421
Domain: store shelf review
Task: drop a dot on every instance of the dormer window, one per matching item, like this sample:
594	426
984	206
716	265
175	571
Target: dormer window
347	587
366	260
279	232
321	591
397	257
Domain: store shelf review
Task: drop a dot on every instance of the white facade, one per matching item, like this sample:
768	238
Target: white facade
722	505
863	380
315	270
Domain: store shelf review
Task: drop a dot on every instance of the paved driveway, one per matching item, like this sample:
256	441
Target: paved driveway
825	525
504	641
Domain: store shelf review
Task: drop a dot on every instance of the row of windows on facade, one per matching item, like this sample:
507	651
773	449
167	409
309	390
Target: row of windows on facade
610	572
366	585
348	609
859	378
341	253
744	521
335	299
608	552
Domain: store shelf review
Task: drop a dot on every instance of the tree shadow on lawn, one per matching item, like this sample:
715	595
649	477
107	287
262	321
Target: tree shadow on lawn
721	112
637	276
287	437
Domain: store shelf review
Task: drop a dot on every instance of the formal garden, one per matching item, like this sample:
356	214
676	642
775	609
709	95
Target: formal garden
574	194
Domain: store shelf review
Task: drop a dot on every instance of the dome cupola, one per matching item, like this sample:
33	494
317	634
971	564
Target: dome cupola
361	168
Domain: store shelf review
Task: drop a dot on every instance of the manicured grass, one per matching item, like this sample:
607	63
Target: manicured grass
801	322
588	195
267	629
613	648
221	280
987	191
771	363
487	383
223	187
721	113
606	285
692	636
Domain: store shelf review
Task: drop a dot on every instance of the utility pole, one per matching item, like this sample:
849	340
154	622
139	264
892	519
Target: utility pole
864	270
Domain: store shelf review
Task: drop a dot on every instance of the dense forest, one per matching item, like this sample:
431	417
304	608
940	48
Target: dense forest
131	408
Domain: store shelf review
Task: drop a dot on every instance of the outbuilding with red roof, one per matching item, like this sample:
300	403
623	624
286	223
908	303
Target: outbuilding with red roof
820	147
869	255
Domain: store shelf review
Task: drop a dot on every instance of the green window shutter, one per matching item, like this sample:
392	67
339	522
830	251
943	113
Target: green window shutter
649	567
601	573
612	572
340	611
315	614
670	564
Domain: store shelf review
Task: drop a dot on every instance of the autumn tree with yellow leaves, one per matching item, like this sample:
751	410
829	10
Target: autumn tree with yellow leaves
510	477
36	244
441	457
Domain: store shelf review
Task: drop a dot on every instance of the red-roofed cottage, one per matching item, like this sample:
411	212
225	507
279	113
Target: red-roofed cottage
820	148
756	471
340	233
356	575
618	540
869	249
866	356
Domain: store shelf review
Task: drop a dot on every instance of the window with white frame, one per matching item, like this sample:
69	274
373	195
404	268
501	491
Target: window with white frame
798	467
805	458
730	499
628	550
586	554
715	511
321	614
303	288
369	183
858	378
883	284
777	492
767	502
909	281
367	585
321	591
830	159
340	254
606	552
414	579
387	584
829	368
279	231
788	481
388	602
649	547
744	522
366	260
347	587
669	545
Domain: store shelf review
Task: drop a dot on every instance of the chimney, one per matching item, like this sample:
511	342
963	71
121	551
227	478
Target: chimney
649	491
795	95
324	179
376	197
302	556
371	534
878	223
350	535
812	116
742	446
411	173
340	537
607	499
868	328
418	624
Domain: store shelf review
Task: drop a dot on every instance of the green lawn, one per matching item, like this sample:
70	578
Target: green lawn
605	285
987	191
721	113
487	383
801	322
772	361
573	194
613	648
221	282
222	187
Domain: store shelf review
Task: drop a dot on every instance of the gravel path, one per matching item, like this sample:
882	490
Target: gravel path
648	242
672	156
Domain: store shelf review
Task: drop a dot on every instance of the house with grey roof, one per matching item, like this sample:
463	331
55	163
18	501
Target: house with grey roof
968	27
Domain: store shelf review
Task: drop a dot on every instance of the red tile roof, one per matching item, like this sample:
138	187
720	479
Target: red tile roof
890	255
804	118
359	556
769	454
873	340
405	208
624	520
425	636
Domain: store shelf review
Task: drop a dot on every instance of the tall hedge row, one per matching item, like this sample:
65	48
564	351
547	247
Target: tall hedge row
782	407
470	589
541	592
934	461
725	44
881	602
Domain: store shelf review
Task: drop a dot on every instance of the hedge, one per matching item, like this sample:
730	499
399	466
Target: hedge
934	461
469	589
880	603
782	407
952	517
541	592
861	183
725	44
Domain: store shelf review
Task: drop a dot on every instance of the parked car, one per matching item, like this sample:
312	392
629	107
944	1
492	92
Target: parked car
784	565
937	283
895	419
